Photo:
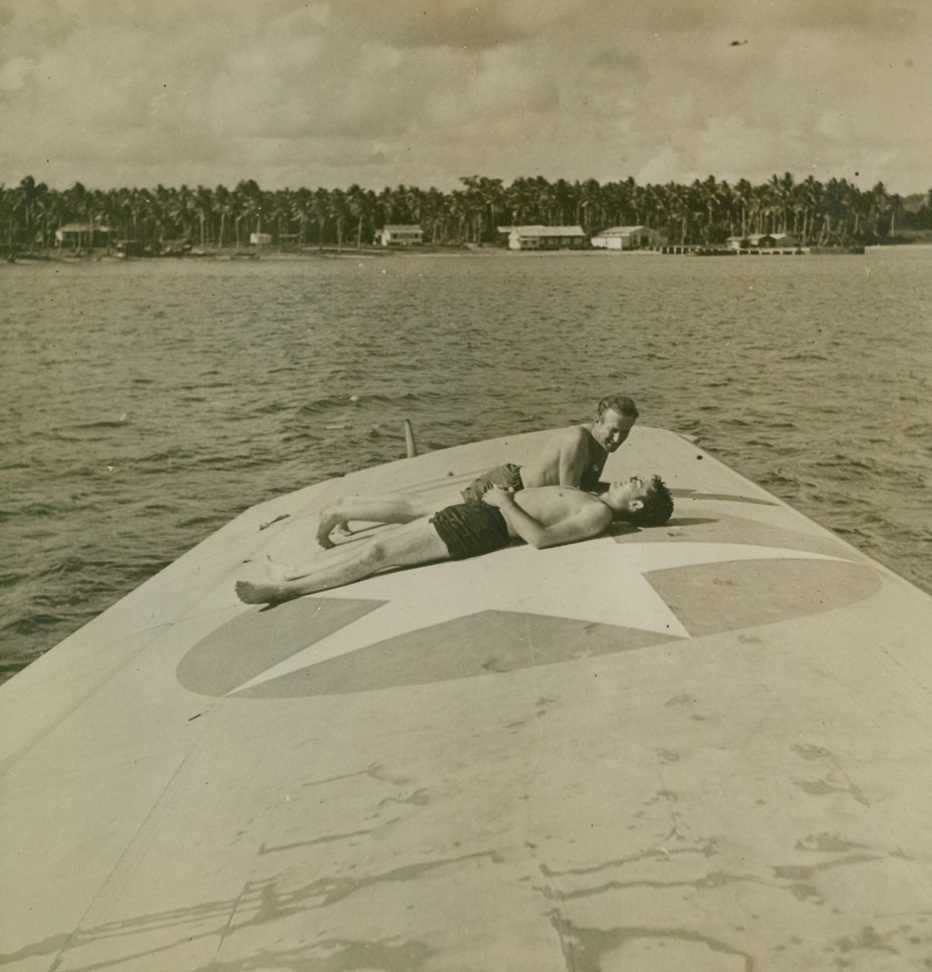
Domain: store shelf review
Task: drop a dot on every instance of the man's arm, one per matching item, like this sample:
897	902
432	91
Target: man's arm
585	523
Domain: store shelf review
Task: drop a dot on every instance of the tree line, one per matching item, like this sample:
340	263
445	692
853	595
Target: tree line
706	212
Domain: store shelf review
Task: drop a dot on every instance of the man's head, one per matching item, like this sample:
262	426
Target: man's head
614	417
642	502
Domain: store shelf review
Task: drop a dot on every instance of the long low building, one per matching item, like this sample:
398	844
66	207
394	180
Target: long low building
545	237
762	241
400	235
627	238
83	234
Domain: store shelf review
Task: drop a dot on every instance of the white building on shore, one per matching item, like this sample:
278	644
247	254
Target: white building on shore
83	234
400	235
626	238
545	237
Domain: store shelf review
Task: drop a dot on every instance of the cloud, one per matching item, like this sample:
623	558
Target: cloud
475	24
339	91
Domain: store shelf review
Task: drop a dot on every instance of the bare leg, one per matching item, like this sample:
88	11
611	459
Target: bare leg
377	508
416	543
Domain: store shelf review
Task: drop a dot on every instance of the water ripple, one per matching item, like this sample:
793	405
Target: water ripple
154	424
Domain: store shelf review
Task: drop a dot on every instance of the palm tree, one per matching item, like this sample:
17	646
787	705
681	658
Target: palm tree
474	206
705	202
338	212
675	206
321	213
492	194
26	198
832	210
302	210
50	207
522	200
280	210
896	209
360	204
222	203
433	210
202	205
76	204
248	204
458	214
781	195
590	199
744	196
808	201
6	215
882	211
635	198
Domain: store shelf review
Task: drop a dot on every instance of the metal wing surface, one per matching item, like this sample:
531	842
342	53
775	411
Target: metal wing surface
700	746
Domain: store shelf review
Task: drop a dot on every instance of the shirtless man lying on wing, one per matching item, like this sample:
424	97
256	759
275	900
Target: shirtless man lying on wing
574	456
545	516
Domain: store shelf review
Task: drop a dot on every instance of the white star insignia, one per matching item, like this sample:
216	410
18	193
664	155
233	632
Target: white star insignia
597	581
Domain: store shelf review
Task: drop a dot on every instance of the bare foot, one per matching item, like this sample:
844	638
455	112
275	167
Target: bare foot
330	519
250	593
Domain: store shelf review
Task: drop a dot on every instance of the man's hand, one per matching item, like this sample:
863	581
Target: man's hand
498	497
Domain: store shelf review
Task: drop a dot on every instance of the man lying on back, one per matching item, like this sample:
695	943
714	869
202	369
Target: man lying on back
574	456
543	516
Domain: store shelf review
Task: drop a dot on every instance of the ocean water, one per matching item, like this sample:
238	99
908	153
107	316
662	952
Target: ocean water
146	403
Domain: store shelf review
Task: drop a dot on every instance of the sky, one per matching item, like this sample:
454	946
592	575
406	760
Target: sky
136	93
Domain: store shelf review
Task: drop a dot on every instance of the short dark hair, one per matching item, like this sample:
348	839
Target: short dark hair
657	508
621	404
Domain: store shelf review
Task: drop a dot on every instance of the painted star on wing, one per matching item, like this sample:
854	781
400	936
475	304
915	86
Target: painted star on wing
599	581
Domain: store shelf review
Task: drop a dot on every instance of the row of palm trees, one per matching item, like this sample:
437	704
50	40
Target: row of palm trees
706	212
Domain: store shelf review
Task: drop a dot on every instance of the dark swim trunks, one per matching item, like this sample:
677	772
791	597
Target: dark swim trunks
507	476
470	529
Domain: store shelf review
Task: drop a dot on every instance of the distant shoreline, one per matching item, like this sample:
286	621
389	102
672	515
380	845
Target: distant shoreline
314	253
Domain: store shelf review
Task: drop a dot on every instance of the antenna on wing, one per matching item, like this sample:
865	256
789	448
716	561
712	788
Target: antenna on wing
410	447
